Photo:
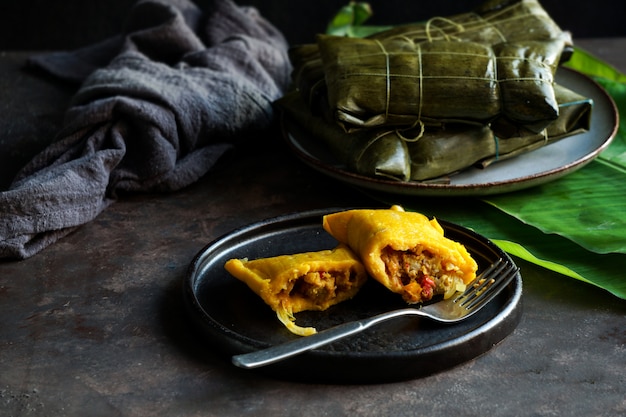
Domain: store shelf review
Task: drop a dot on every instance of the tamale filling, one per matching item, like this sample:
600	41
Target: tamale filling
421	273
322	286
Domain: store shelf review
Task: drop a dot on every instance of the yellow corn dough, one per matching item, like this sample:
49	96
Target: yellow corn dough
304	281
405	251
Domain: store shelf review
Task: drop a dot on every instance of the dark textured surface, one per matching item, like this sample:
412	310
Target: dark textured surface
31	112
95	324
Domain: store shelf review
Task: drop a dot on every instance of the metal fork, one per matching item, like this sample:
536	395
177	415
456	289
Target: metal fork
478	293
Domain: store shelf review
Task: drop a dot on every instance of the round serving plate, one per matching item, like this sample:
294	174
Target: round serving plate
234	320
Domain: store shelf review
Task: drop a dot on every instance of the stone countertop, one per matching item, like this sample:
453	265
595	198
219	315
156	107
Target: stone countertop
95	324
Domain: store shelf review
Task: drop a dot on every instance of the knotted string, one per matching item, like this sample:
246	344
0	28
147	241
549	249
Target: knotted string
453	27
387	78
447	36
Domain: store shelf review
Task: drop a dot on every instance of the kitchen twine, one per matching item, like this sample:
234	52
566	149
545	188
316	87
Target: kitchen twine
446	36
420	80
388	93
419	76
431	28
419	107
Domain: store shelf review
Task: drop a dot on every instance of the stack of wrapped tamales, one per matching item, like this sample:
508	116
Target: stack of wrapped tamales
422	102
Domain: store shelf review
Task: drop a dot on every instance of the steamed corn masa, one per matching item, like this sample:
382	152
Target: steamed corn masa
305	281
404	251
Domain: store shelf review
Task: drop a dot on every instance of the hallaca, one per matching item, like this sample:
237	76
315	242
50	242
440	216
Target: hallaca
397	82
439	152
494	22
422	102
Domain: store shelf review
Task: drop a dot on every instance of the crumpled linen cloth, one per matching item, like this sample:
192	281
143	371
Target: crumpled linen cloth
157	107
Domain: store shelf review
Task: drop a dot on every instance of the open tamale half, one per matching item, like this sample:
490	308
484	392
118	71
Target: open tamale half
304	281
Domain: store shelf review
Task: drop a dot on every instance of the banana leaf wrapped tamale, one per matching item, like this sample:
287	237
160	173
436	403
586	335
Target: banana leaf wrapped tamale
493	22
445	151
372	153
439	152
400	83
575	113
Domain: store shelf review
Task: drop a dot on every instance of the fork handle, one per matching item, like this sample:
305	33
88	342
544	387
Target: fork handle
295	347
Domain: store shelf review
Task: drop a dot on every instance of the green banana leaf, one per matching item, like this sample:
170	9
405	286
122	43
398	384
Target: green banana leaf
616	153
350	19
574	226
588	205
589	64
351	16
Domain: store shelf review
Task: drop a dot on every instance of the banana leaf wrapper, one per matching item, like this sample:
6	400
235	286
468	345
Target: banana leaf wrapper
443	152
303	281
308	75
526	79
492	23
400	83
439	152
404	251
372	153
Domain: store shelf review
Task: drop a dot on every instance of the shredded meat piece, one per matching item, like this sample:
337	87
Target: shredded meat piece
419	271
322	286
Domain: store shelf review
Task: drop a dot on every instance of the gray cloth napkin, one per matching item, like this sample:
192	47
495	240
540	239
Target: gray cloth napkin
157	106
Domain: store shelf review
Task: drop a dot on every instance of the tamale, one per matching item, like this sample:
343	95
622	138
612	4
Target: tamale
378	154
439	151
492	23
305	281
575	113
526	78
404	251
400	83
448	150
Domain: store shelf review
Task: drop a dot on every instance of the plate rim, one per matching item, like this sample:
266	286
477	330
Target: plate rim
415	188
502	323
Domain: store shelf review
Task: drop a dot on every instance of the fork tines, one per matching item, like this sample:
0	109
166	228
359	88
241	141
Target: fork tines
488	284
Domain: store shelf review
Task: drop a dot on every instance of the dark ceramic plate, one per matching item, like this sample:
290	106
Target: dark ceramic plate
235	320
527	170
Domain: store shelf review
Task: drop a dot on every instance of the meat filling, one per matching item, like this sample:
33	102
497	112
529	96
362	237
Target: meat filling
421	273
322	286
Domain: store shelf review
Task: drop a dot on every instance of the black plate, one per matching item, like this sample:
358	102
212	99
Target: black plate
235	320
